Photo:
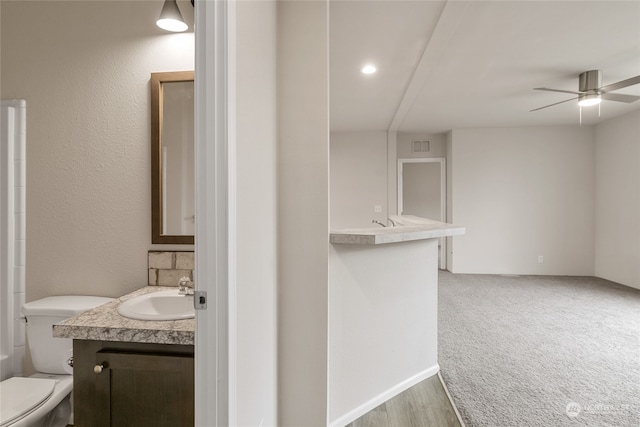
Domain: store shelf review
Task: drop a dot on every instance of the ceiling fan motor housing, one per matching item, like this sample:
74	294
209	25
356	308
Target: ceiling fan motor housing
590	81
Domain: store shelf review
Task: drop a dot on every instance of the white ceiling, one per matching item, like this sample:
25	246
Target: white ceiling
467	64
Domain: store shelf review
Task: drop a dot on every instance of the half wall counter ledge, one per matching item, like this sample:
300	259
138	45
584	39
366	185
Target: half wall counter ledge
408	228
383	312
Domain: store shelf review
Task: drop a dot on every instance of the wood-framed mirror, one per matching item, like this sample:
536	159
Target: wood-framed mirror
172	158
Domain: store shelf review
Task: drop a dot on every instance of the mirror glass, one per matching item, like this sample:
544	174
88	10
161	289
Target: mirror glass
172	158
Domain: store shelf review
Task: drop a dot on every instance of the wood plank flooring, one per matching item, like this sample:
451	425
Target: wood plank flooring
424	405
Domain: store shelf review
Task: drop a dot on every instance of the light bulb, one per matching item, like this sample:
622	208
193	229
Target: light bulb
172	25
170	18
368	69
589	100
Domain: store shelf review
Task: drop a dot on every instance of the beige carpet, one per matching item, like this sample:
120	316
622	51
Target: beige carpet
540	350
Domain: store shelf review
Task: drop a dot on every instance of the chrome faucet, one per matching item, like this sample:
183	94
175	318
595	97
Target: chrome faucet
185	286
373	221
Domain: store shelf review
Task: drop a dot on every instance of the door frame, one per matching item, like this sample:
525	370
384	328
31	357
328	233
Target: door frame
443	196
215	233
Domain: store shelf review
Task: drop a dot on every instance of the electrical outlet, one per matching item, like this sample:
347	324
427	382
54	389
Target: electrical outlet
540	259
377	208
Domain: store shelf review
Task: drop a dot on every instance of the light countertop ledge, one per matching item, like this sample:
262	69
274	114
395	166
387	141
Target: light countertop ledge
409	228
103	323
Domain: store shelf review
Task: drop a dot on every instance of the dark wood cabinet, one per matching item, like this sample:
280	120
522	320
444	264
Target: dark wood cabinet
132	384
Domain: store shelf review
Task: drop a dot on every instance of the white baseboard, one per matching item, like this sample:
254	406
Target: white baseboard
359	411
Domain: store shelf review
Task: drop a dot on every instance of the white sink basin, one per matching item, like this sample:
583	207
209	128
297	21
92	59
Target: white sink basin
163	305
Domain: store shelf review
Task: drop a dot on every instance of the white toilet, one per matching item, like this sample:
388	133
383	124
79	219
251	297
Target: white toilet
44	399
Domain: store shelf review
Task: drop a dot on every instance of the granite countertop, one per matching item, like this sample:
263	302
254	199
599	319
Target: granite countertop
103	323
409	228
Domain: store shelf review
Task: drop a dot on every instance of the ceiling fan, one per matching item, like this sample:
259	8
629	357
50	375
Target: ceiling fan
590	91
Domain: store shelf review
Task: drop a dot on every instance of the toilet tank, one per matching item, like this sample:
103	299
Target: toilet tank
49	354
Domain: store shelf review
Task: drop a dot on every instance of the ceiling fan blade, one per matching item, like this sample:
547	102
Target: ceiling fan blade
556	90
619	97
551	105
624	83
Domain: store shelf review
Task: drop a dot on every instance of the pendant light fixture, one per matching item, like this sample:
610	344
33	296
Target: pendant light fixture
170	18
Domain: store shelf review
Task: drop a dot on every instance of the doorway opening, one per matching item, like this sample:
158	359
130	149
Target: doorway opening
422	192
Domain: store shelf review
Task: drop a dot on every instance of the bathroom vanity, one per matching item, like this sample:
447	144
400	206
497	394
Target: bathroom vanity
130	372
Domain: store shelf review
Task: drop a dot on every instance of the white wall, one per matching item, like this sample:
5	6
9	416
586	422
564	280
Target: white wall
86	82
392	173
525	192
383	323
364	174
358	178
617	236
256	207
303	212
522	193
449	212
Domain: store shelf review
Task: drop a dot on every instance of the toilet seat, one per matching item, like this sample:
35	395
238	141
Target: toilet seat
20	396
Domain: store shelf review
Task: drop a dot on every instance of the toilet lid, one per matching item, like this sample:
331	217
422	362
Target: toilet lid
19	396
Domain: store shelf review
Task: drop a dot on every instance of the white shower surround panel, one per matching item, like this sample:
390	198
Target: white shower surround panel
12	234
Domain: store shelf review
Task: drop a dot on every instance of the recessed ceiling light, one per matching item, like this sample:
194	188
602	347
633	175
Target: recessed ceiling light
368	69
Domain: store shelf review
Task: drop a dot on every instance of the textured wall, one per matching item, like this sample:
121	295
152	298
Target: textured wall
86	82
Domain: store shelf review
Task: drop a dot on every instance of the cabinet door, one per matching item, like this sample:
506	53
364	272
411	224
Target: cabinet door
138	390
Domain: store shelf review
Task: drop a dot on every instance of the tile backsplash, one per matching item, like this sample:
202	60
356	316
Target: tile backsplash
166	268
